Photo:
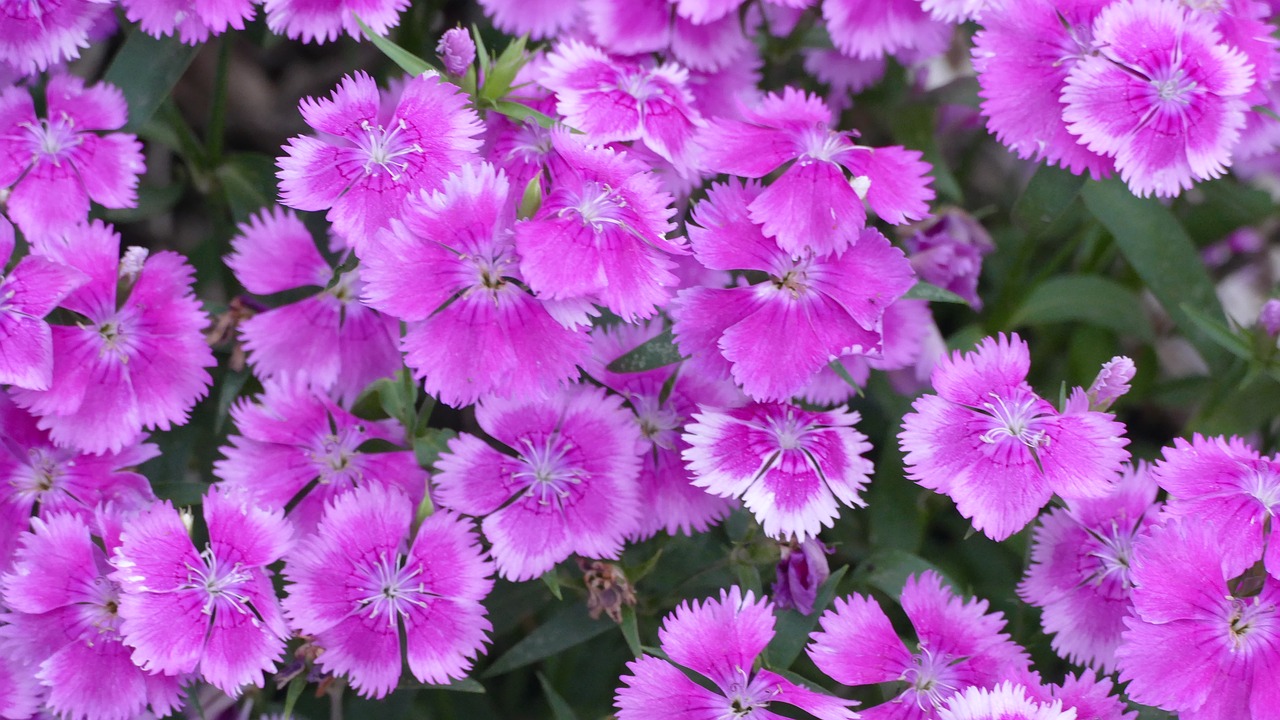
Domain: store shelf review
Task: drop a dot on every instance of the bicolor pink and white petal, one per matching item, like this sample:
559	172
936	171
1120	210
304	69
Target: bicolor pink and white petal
568	487
720	639
999	450
792	468
360	586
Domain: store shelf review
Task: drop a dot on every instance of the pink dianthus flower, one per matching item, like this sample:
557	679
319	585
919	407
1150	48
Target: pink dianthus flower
193	20
211	611
1079	573
329	339
959	645
362	583
137	360
569	486
720	640
28	292
293	440
374	150
1006	701
1163	95
813	204
792	468
1200	642
773	337
323	21
864	29
56	164
999	450
37	34
601	233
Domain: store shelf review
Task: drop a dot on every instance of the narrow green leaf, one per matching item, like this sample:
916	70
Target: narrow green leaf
794	627
560	710
1048	195
652	354
497	82
551	579
1089	299
888	570
631	630
146	69
293	693
465	685
638	573
230	387
482	53
837	367
1219	332
927	291
568	628
518	112
407	61
349	263
248	182
1160	251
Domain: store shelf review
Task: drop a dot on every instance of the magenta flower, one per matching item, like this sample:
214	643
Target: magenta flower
1079	573
616	101
295	445
539	19
450	269
1197	645
370	154
29	292
1006	701
56	164
792	468
959	645
720	640
813	205
601	232
636	27
193	20
673	503
211	611
132	363
323	21
41	33
874	29
1022	56
1228	487
329	339
1163	95
361	583
569	486
19	690
36	474
64	607
1089	695
772	338
997	449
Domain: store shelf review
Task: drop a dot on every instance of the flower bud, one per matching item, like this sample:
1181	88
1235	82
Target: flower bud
1112	382
457	51
801	571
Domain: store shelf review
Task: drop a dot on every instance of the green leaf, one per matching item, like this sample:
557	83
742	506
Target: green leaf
497	82
652	354
1160	251
888	570
568	628
927	291
428	446
551	579
293	693
1048	195
915	126
794	628
519	112
146	69
407	61
631	630
465	685
230	387
1089	299
1219	332
560	710
399	398
837	367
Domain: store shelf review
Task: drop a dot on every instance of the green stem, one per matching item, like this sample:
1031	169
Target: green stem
218	112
